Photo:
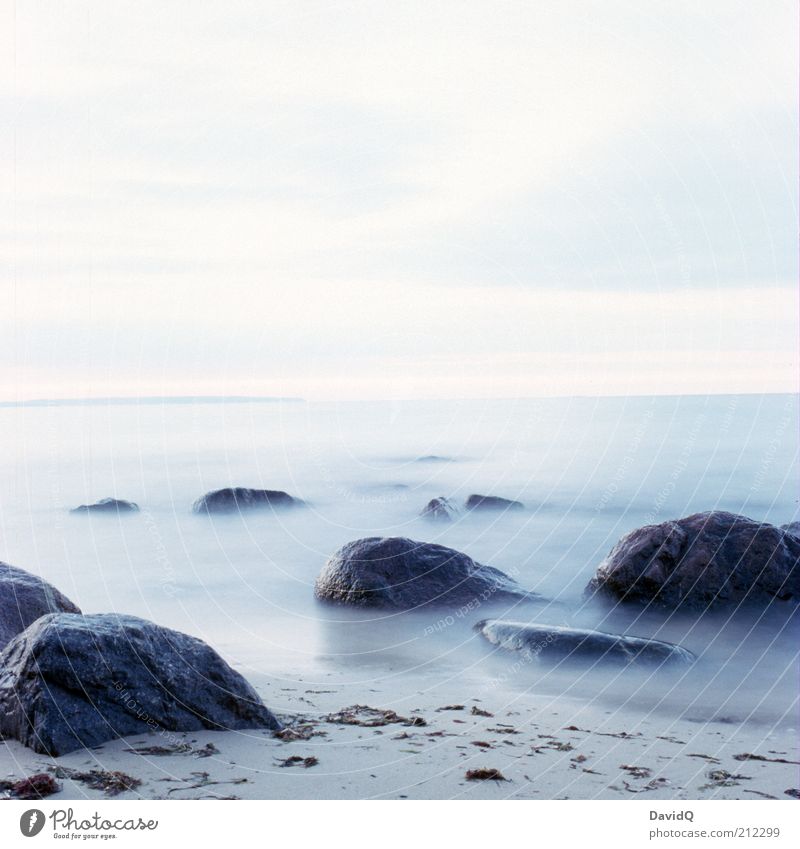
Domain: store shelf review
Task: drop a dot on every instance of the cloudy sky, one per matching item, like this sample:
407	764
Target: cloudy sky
423	199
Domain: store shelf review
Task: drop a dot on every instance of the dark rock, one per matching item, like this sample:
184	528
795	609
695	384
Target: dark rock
706	560
492	502
401	573
553	644
23	599
70	681
235	499
792	528
439	510
107	505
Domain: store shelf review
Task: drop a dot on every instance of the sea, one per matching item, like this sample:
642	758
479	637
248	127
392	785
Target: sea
588	470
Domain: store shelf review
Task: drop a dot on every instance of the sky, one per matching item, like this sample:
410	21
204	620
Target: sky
416	200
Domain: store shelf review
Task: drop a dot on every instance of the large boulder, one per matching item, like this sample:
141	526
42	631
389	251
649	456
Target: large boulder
552	644
71	681
439	509
400	573
238	498
107	505
706	560
492	502
23	599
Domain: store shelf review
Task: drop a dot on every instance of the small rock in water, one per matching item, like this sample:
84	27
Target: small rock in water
439	510
400	573
707	560
492	502
237	499
552	643
107	505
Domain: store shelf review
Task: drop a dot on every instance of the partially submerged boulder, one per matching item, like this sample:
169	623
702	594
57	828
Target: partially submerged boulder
400	573
70	681
706	560
440	509
552	644
238	498
23	599
492	502
107	505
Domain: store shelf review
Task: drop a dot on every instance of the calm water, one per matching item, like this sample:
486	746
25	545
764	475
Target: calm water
588	470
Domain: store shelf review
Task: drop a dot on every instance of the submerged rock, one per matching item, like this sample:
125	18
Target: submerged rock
492	502
107	505
23	599
235	499
71	681
552	643
706	560
400	573
439	510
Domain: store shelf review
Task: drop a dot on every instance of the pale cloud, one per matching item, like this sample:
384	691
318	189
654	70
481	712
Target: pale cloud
308	185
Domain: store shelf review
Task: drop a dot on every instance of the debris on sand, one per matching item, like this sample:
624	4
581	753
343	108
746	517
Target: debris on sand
655	784
503	730
370	717
710	758
159	751
111	782
36	786
723	778
299	760
304	731
476	711
793	792
759	793
637	771
747	756
482	744
450	707
622	735
484	774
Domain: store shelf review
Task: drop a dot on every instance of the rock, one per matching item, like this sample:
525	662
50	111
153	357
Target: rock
552	643
23	599
792	528
492	502
70	681
400	573
235	499
706	560
107	505
439	510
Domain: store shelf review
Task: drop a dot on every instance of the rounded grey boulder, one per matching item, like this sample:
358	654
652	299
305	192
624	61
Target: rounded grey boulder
107	505
70	681
400	573
552	643
713	559
238	498
492	502
23	599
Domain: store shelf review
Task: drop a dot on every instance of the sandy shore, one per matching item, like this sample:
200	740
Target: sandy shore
544	748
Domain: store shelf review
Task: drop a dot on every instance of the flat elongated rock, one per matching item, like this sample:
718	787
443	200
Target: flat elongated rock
492	502
107	505
439	510
23	599
238	498
70	681
552	644
710	559
396	572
